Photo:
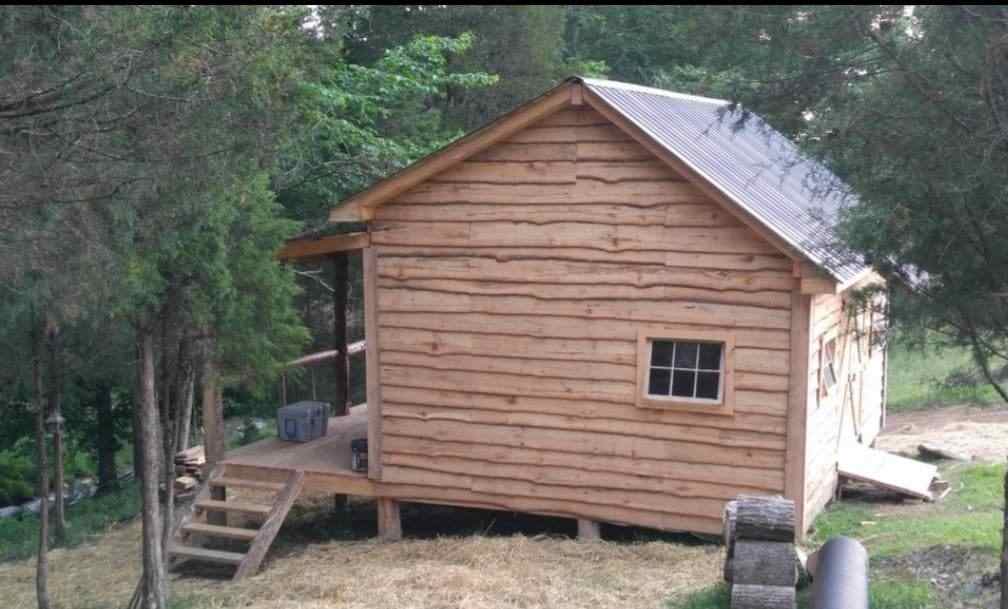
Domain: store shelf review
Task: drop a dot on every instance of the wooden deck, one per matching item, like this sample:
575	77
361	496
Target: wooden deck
325	461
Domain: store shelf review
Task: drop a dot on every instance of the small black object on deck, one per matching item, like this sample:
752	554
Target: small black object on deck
358	455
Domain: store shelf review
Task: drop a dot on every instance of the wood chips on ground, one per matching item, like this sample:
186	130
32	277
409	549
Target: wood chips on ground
473	572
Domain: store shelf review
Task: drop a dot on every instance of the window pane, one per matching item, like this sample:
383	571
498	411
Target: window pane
661	353
707	385
685	355
710	356
682	383
658	383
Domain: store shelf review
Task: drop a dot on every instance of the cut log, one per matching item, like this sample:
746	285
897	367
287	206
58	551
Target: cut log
765	518
185	484
729	517
764	563
762	597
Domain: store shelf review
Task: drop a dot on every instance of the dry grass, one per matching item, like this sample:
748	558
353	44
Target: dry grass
470	572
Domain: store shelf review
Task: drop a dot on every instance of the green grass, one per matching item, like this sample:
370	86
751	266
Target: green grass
884	594
919	378
91	517
970	516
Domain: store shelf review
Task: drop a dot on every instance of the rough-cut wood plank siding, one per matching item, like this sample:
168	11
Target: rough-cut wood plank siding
852	411
511	289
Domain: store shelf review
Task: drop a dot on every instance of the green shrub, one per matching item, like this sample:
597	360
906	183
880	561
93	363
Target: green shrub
17	478
90	517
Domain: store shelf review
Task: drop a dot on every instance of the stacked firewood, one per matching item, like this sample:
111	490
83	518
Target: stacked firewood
761	564
189	468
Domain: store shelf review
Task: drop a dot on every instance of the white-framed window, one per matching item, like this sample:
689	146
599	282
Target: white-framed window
827	367
684	369
681	368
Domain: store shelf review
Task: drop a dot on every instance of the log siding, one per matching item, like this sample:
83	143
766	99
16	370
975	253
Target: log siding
510	290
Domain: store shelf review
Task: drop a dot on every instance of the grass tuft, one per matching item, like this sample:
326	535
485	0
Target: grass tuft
920	379
969	516
885	594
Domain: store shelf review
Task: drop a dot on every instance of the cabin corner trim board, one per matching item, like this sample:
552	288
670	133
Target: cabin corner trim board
797	413
372	362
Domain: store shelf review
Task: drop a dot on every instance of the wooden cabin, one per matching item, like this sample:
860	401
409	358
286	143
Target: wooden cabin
612	304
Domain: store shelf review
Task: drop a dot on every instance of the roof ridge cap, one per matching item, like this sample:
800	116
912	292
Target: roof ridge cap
615	84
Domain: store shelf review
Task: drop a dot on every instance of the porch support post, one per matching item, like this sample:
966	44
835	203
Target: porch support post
341	396
389	523
588	530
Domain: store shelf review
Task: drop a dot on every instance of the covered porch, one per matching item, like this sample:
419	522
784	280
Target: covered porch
325	461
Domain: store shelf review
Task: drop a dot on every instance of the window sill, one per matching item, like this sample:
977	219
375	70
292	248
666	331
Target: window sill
713	408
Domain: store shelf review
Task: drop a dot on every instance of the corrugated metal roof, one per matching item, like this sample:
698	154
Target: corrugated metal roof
752	164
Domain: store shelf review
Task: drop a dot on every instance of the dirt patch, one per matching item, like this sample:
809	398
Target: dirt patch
976	431
955	574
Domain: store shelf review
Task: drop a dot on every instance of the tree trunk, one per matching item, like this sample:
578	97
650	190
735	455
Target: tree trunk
55	374
213	417
1004	549
137	439
42	562
105	440
341	365
154	584
186	397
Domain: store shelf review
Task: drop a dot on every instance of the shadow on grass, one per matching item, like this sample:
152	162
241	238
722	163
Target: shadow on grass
320	520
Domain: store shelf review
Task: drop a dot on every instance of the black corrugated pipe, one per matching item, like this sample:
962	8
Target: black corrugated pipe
841	576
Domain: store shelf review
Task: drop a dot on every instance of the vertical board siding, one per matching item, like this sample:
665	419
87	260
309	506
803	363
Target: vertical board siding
511	289
852	411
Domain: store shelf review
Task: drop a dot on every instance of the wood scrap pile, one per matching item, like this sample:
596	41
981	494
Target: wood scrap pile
189	468
761	565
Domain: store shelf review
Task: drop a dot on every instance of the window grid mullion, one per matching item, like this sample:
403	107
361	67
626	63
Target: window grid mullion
671	380
696	372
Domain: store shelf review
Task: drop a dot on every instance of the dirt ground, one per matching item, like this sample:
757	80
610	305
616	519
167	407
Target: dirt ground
958	576
980	432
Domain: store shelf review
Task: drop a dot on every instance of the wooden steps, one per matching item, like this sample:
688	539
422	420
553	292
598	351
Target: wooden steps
228	482
208	519
215	530
195	553
250	509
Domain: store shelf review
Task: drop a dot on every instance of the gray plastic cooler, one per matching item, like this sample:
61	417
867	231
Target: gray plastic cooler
302	421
